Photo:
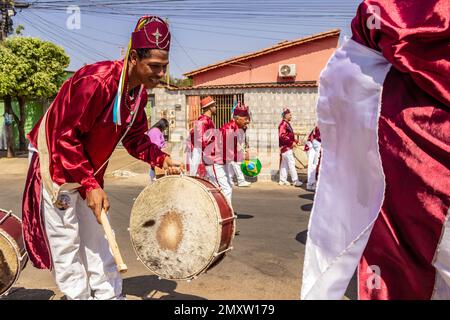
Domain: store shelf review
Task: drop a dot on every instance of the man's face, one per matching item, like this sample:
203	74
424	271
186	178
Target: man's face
288	116
213	109
242	122
151	70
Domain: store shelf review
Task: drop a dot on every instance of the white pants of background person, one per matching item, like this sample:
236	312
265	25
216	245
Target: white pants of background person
235	169
152	175
196	158
313	161
218	174
82	261
288	164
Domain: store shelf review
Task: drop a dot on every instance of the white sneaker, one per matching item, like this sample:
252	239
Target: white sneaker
285	183
311	186
244	184
298	183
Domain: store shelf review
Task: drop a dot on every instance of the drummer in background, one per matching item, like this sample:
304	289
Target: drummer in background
231	148
287	142
234	168
156	135
202	138
64	196
313	147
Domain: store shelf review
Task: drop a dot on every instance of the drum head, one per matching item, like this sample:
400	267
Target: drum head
9	262
174	227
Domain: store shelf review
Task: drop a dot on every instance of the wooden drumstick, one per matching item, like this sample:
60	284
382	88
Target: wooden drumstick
121	266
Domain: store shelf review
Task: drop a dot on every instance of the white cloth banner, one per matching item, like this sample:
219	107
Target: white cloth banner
351	183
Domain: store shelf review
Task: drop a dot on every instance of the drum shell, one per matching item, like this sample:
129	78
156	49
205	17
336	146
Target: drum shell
11	231
226	213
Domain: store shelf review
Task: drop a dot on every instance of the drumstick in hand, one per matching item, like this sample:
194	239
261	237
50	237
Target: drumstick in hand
121	266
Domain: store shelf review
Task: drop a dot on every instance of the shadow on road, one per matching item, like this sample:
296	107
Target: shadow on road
301	236
244	216
307	196
147	287
19	293
307	207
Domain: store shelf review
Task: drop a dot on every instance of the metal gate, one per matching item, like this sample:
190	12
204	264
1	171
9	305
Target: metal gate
224	103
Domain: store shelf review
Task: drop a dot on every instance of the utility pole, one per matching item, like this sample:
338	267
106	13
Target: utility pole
7	11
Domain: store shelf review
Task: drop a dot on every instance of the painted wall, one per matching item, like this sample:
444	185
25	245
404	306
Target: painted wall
266	105
34	110
310	59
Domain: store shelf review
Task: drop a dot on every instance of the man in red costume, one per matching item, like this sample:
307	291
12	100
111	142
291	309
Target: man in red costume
201	136
230	148
382	201
287	142
101	105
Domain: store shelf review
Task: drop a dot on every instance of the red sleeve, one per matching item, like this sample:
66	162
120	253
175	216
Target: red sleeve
197	134
85	99
138	143
202	136
283	135
209	133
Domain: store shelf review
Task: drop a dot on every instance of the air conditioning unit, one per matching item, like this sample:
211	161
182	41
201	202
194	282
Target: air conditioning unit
287	71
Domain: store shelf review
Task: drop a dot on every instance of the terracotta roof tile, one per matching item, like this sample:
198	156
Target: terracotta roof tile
311	84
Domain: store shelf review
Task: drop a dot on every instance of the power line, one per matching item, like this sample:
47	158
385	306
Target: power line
187	54
57	39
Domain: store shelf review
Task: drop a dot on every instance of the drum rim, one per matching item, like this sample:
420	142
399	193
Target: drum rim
218	236
10	215
16	248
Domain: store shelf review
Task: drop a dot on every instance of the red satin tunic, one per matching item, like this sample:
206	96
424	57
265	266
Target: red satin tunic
414	144
81	136
232	138
204	137
286	136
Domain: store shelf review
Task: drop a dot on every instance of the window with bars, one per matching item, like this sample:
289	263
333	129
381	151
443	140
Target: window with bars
224	104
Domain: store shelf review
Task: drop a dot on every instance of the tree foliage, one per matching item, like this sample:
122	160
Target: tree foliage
30	68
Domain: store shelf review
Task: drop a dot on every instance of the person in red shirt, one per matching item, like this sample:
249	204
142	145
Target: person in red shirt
202	138
230	148
287	142
99	107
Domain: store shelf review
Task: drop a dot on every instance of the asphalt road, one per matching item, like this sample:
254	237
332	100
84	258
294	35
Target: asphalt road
266	262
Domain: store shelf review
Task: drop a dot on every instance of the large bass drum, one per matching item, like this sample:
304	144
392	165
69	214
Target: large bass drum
181	226
13	256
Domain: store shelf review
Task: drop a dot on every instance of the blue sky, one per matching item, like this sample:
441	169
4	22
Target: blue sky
203	31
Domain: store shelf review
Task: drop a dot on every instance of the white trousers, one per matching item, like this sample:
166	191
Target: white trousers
82	261
313	161
196	158
288	164
234	168
219	175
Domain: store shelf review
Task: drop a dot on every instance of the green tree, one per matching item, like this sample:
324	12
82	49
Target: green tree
30	68
181	83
